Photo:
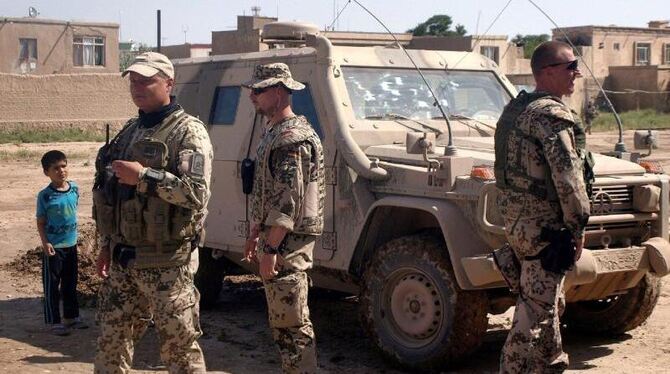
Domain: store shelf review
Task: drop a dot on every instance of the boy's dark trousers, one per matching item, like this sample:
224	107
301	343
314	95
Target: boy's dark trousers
59	277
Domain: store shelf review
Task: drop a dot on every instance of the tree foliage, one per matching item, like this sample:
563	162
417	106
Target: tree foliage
438	25
529	42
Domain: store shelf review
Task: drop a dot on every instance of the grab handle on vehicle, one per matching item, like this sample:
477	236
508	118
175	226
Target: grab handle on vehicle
482	205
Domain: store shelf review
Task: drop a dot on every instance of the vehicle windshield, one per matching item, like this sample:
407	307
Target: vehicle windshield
389	93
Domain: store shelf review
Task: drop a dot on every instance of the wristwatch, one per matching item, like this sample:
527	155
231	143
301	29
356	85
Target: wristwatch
154	175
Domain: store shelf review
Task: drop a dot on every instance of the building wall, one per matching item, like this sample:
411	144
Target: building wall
64	98
200	52
247	37
598	45
186	50
54	45
510	57
639	87
176	51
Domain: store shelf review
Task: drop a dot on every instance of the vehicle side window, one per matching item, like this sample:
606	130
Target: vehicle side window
302	103
224	106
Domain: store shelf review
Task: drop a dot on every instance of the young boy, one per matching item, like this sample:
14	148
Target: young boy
57	226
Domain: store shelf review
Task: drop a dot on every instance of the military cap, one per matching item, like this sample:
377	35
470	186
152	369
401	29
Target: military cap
272	74
149	64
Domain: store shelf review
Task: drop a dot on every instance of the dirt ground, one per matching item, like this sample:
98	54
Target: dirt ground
237	338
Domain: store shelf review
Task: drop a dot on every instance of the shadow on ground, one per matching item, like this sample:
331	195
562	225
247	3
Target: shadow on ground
237	338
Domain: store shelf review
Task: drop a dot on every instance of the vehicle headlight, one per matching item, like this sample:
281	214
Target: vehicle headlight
646	198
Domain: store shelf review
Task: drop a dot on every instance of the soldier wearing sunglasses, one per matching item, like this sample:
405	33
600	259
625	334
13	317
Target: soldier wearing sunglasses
540	169
287	210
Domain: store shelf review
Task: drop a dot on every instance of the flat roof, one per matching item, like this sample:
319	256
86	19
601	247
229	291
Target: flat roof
614	28
43	21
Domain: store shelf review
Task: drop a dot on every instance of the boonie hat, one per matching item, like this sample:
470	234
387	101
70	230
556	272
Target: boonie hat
272	74
149	64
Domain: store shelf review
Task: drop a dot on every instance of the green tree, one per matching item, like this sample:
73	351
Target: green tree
126	57
529	42
438	25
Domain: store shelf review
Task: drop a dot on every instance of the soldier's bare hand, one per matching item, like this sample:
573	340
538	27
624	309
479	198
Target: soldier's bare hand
579	246
102	262
128	172
268	266
250	250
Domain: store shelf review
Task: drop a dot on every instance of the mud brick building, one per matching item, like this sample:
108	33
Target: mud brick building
42	46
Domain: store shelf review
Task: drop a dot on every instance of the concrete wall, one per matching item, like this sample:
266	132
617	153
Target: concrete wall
640	87
67	98
54	45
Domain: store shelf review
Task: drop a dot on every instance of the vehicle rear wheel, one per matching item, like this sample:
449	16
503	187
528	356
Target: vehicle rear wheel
616	314
413	309
209	277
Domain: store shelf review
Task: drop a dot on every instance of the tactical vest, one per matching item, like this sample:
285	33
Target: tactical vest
310	217
160	232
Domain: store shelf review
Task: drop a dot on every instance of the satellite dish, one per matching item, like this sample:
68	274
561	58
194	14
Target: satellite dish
32	12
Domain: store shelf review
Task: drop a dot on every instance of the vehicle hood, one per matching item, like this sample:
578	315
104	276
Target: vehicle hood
481	151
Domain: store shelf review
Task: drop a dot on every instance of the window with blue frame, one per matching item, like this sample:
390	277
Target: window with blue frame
224	106
302	103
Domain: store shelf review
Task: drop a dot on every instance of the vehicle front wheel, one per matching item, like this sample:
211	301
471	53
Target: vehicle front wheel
615	314
413	309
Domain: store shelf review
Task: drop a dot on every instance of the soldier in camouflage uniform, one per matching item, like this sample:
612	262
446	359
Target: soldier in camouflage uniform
540	169
149	199
287	210
590	113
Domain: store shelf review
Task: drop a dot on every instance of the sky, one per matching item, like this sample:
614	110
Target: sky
192	21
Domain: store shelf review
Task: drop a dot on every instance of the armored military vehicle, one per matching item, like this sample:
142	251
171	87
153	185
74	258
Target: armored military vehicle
410	223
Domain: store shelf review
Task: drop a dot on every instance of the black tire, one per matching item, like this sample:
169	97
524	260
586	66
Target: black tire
413	309
616	314
209	277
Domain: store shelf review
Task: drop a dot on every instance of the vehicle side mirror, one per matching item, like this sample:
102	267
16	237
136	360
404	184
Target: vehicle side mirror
646	139
418	143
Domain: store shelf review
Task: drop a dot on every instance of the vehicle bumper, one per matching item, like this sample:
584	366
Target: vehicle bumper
653	256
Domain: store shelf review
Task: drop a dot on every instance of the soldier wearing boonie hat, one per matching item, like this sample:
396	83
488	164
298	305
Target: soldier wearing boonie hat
269	75
287	213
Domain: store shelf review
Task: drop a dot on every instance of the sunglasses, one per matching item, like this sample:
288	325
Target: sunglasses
573	65
260	90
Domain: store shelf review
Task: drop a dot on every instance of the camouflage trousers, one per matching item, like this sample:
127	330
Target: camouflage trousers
143	317
128	294
288	314
533	344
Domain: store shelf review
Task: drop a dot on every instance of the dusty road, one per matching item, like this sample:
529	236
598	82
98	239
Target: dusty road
236	338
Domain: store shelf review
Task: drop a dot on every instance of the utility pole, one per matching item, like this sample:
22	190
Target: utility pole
158	30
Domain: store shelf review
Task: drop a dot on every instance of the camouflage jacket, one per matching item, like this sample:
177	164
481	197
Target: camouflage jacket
187	173
289	184
543	147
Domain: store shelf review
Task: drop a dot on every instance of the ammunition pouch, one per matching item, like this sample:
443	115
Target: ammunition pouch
247	169
509	266
103	213
559	255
